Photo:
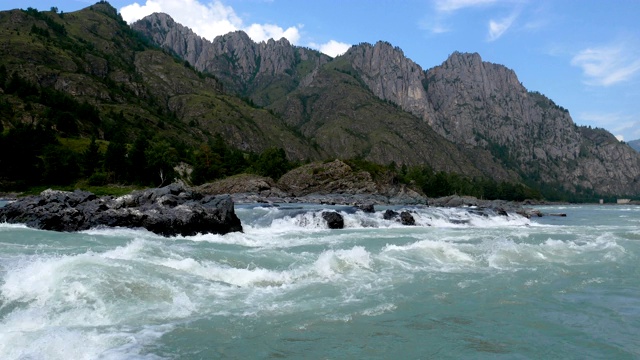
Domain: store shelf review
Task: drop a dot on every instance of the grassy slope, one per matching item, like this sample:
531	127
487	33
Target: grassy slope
100	60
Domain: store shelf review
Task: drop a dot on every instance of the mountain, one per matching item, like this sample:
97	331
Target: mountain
484	105
635	144
493	122
87	74
131	87
314	96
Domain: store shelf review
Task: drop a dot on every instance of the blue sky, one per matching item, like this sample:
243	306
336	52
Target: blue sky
583	54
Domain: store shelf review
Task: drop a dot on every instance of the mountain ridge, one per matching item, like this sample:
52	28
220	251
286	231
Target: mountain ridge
479	106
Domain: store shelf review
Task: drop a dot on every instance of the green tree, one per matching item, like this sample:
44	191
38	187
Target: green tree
115	161
272	163
207	166
21	152
60	165
138	167
91	158
161	159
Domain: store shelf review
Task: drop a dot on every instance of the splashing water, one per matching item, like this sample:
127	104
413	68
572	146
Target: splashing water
458	284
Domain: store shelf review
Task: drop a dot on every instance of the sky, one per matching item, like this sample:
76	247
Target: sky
583	54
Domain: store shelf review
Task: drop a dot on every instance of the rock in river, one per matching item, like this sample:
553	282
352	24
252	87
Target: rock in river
168	211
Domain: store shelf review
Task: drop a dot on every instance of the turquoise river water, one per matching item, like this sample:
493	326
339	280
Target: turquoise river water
457	285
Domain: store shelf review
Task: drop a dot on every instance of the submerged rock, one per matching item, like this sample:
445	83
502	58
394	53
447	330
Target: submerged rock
333	219
168	211
366	208
404	217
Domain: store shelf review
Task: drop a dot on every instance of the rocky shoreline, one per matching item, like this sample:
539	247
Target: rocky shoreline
168	211
178	209
181	210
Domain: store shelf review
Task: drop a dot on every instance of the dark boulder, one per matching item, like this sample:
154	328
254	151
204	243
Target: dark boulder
333	219
169	211
367	208
406	218
390	214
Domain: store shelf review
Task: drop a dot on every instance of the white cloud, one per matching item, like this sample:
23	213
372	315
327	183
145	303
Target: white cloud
498	28
332	48
454	5
444	9
263	32
609	65
208	20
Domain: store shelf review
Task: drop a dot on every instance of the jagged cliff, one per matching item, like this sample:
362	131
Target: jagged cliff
262	71
484	105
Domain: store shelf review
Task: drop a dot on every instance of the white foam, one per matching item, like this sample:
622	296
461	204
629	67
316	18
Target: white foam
242	277
378	310
332	263
4	225
508	254
122	232
76	343
429	254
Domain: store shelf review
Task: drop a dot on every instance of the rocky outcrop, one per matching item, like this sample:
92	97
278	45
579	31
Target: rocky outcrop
332	182
344	185
168	211
391	76
246	67
242	183
334	177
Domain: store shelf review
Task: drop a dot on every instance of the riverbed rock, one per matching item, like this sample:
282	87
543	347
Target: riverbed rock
168	211
407	219
366	208
334	220
390	214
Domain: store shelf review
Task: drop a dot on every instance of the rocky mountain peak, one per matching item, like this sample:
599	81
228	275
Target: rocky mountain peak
457	59
468	69
390	75
243	65
164	31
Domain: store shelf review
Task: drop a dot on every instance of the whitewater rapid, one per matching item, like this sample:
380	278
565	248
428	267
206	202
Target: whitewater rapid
123	293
